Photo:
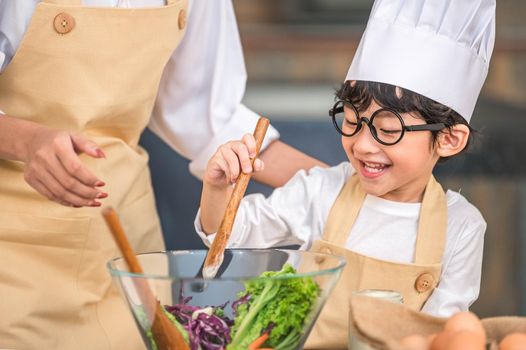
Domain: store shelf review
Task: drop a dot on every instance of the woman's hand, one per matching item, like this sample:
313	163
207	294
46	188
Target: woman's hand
229	160
54	169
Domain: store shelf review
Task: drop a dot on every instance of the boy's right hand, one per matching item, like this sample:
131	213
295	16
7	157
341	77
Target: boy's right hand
229	160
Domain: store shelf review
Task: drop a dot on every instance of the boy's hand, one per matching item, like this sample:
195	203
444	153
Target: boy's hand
229	160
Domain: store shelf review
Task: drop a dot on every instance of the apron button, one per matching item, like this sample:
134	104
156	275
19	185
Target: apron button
327	250
320	259
181	21
424	282
63	23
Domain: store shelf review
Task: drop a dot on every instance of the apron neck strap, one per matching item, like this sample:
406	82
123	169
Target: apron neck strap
432	225
344	212
64	2
432	222
79	2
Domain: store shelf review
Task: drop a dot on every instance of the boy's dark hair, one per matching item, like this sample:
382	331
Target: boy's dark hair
362	93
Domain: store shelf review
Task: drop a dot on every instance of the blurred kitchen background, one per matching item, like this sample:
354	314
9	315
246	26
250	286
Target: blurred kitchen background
297	53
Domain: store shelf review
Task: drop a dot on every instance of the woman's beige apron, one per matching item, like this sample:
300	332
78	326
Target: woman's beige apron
414	281
95	71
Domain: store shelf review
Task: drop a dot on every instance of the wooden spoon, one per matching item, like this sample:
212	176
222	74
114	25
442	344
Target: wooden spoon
215	255
165	334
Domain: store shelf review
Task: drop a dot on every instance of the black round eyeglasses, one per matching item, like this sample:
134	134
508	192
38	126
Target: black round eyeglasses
386	125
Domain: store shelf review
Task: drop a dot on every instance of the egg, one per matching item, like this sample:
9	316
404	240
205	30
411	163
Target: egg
414	342
431	337
514	341
466	340
440	341
465	321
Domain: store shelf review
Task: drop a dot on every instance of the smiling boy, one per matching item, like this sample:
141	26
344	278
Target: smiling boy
405	105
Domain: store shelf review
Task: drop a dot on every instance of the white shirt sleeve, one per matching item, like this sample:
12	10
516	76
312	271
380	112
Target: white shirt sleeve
293	214
199	102
460	281
14	20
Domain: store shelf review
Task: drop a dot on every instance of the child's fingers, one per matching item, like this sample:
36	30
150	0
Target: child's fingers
258	165
244	159
250	142
223	165
233	163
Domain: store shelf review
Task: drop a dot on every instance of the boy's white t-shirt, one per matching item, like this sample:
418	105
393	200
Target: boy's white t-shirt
297	213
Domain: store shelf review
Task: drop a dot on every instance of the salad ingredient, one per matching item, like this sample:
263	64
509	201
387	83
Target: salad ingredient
282	304
269	314
145	324
207	328
258	342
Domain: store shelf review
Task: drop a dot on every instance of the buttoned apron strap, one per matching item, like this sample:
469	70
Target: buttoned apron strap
432	225
64	2
79	2
344	212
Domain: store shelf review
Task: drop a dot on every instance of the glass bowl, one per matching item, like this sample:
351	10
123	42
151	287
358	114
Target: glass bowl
282	305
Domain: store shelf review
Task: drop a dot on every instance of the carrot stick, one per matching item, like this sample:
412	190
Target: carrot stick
258	342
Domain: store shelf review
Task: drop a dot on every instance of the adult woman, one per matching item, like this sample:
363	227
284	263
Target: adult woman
76	96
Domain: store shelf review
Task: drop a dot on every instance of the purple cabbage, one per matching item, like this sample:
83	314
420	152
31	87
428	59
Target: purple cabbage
243	300
205	331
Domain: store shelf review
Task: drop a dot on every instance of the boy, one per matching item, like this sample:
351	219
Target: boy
405	105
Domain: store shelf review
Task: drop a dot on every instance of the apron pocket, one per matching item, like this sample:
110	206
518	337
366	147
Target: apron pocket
44	231
38	284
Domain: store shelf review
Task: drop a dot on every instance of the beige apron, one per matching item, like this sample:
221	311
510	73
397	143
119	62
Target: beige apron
414	281
96	71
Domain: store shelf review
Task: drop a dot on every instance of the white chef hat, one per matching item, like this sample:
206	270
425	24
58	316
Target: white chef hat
437	48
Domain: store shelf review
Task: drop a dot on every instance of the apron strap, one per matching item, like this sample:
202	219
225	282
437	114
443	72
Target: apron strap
432	222
432	225
344	212
64	2
79	2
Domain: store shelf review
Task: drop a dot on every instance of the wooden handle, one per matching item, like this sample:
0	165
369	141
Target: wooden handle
214	257
166	335
114	224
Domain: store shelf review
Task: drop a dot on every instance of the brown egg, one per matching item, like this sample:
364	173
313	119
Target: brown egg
415	342
465	321
514	341
440	341
466	340
431	337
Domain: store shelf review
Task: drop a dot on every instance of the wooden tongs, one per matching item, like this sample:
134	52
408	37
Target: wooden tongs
215	255
165	334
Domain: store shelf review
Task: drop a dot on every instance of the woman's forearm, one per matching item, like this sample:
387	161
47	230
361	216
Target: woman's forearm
15	134
282	162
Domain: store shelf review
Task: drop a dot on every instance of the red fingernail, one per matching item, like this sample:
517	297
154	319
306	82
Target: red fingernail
95	204
99	183
100	153
101	195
